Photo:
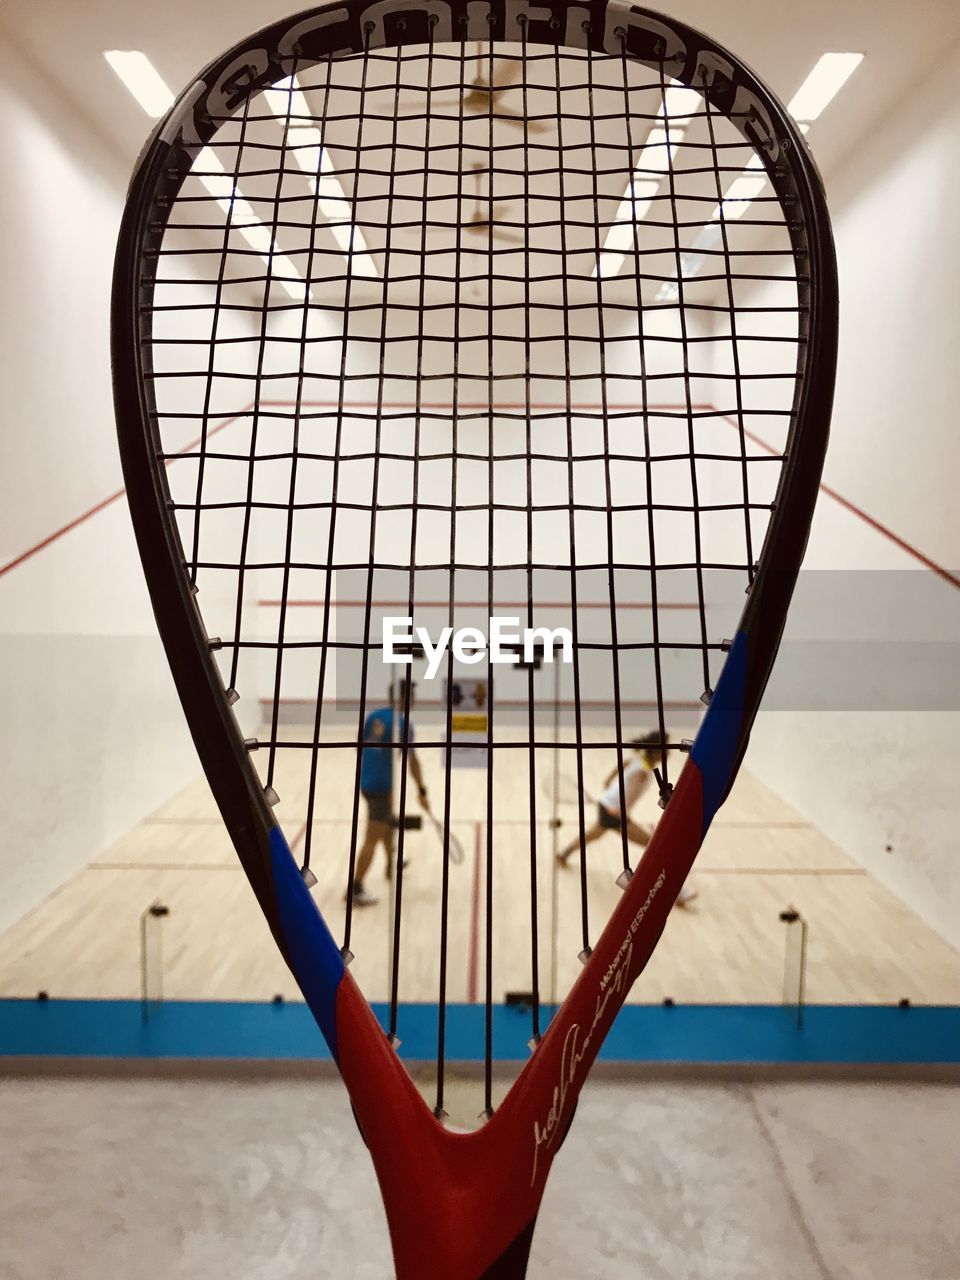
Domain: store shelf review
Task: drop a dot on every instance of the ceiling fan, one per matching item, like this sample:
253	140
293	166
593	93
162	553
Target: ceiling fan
480	222
478	100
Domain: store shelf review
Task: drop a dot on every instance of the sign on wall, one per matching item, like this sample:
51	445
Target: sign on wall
470	701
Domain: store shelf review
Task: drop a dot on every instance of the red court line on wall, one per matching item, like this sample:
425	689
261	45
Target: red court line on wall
356	404
469	604
473	954
59	533
499	406
895	538
874	524
847	505
101	506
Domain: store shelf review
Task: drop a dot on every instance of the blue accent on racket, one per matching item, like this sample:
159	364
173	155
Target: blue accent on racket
314	956
718	742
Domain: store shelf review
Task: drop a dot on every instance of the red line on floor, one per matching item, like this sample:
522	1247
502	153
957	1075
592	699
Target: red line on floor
882	529
101	506
473	957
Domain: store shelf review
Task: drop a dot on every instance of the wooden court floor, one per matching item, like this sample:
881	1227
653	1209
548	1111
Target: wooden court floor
729	947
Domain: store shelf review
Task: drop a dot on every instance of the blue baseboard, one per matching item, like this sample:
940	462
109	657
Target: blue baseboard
749	1034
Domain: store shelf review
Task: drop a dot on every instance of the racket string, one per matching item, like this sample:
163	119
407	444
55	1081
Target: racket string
688	397
648	457
491	362
335	459
258	378
397	878
737	374
562	177
214	342
292	505
362	700
535	1030
451	605
609	503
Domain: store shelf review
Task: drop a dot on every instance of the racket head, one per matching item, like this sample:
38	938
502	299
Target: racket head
524	1134
457	855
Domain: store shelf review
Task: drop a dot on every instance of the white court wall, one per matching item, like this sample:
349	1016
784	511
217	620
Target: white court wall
93	737
883	783
895	203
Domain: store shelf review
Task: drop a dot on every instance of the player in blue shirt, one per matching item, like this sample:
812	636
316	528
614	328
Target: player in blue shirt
376	787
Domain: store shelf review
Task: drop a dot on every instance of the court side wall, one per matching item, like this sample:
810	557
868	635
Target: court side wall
93	736
883	782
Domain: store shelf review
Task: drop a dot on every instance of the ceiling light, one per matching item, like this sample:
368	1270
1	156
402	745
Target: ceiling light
742	190
142	79
610	264
306	147
149	88
220	185
678	106
818	90
286	98
305	143
739	196
823	84
336	209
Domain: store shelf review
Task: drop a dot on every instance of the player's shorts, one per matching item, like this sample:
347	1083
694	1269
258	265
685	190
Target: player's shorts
607	820
379	806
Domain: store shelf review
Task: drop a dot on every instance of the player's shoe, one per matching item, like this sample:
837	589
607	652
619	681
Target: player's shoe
686	896
362	897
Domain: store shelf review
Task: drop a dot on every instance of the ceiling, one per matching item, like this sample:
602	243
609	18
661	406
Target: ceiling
66	40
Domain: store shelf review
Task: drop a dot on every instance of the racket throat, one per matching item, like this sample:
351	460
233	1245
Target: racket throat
512	1263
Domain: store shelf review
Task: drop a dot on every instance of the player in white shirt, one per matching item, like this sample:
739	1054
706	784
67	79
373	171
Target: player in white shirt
636	776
